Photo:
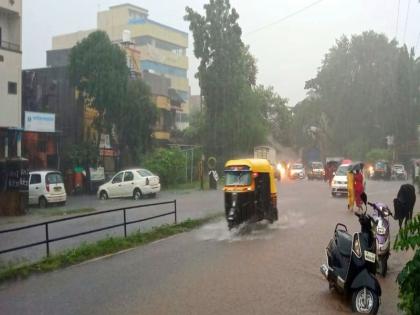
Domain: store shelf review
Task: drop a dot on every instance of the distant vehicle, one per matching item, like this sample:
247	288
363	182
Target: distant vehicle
398	172
316	171
268	153
381	170
46	187
339	182
134	183
296	171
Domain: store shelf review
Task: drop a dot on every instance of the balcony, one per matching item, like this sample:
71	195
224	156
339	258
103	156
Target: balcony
9	46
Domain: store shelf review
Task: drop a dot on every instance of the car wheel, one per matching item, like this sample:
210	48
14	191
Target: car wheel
333	194
103	195
43	203
137	195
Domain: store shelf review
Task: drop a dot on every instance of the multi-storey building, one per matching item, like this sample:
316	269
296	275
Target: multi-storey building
162	48
10	77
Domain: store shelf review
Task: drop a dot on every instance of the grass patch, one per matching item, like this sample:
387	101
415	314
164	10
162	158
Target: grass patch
104	247
49	212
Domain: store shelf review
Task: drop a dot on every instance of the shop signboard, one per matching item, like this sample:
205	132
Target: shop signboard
39	122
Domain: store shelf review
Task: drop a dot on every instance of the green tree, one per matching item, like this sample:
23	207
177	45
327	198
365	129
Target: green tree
169	164
368	89
409	278
275	113
135	121
226	74
99	72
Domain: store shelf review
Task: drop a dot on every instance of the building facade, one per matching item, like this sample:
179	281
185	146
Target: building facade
162	48
10	77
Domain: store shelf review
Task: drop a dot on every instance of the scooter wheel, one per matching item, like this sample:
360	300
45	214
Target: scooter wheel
383	266
365	301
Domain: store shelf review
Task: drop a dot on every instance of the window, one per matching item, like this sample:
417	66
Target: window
54	178
118	178
35	179
129	176
12	88
144	173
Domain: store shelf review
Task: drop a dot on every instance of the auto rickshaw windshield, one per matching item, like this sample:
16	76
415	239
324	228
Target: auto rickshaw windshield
238	178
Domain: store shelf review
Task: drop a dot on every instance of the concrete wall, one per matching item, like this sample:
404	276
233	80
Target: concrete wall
10	104
10	63
67	41
15	7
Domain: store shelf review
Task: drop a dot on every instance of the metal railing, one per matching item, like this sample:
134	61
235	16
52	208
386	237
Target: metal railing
9	46
47	224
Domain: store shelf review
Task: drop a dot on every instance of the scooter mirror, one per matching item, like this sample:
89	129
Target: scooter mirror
363	196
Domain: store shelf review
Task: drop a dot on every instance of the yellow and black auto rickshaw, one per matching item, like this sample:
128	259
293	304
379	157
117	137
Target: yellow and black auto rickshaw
250	192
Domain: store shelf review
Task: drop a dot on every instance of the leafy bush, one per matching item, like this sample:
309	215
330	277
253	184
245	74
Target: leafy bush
169	164
409	278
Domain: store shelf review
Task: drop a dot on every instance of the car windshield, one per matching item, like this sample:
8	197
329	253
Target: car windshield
54	178
380	165
297	166
398	167
342	170
317	165
238	178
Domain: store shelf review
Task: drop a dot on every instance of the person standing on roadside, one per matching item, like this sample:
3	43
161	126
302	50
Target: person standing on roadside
359	187
350	190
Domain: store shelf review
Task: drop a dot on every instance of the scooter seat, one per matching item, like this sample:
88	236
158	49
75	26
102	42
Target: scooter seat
344	241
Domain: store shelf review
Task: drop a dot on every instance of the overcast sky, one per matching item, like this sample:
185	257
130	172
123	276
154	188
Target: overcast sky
288	53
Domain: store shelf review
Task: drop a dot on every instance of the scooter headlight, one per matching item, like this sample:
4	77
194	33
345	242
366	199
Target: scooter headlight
380	230
356	247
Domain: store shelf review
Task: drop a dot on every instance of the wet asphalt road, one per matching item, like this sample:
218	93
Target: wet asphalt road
261	270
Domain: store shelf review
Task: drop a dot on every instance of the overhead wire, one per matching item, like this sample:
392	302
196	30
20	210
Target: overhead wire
398	18
406	20
284	18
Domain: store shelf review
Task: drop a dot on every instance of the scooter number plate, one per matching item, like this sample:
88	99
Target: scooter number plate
370	256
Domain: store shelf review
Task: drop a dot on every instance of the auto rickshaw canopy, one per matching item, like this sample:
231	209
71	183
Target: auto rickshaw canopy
255	166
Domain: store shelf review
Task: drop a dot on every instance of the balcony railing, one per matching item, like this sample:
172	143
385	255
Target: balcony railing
9	46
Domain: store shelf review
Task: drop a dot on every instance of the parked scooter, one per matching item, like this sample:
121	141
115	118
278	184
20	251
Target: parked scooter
382	234
351	267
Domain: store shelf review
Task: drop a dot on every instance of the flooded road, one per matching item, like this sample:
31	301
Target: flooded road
256	269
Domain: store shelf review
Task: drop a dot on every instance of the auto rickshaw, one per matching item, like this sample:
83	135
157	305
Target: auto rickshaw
250	192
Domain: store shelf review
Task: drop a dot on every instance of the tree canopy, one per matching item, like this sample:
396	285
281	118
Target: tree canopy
227	73
99	71
368	88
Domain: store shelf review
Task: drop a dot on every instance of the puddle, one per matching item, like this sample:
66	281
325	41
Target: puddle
218	231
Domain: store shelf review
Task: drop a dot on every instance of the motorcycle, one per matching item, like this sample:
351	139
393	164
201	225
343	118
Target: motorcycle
382	235
351	264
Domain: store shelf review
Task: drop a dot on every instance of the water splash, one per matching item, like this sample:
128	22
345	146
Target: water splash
218	231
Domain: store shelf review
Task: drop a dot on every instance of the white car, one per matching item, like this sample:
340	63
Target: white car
297	171
134	183
46	187
339	182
